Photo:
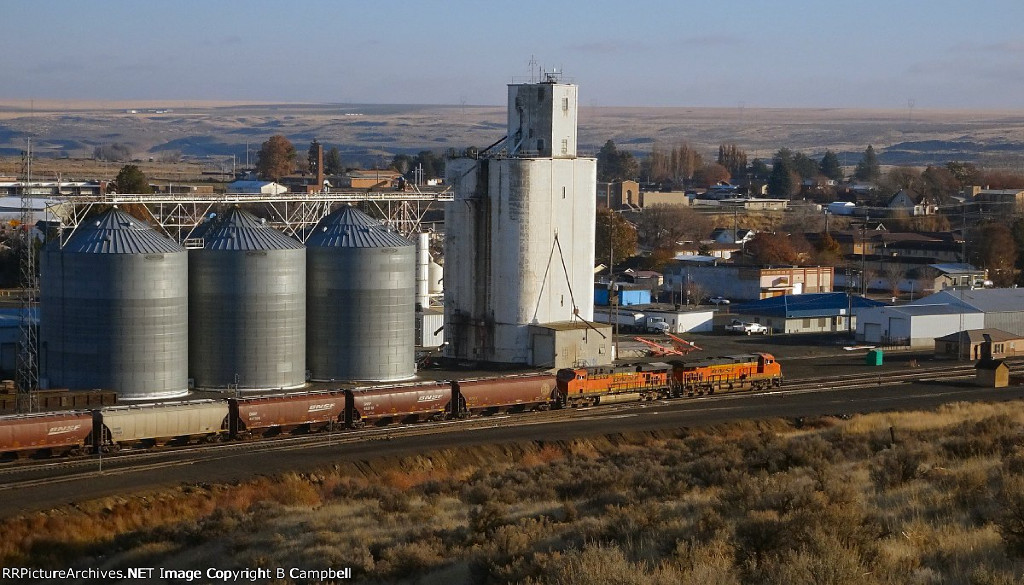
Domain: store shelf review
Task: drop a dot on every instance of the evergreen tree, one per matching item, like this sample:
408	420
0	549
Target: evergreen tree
829	166
132	180
615	165
312	158
783	181
332	161
607	161
759	170
868	169
805	166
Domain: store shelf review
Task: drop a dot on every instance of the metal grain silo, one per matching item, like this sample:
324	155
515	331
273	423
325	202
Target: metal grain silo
247	306
114	310
361	294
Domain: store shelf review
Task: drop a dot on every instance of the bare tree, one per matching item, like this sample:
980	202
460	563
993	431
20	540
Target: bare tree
893	273
661	226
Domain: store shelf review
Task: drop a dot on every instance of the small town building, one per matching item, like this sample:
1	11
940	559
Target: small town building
706	249
569	344
682	320
906	204
970	345
954	275
618	195
732	236
747	283
1003	307
806	313
374	179
48	188
664	198
1002	201
627	294
256	187
915	325
647	278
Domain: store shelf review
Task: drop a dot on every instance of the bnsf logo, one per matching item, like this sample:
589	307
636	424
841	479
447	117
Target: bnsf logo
430	397
64	429
321	407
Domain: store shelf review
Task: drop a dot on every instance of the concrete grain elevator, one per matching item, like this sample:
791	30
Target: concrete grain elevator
519	240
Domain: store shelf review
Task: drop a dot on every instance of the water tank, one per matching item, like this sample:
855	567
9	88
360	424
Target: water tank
360	300
247	305
114	310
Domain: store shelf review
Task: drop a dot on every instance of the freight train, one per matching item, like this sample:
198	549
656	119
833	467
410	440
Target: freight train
144	426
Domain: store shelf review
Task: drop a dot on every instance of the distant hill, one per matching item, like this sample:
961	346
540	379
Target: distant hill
369	133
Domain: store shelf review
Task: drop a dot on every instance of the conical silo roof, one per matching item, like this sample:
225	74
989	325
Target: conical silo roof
347	227
241	230
116	232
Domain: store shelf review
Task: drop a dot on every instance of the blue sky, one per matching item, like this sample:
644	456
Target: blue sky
782	53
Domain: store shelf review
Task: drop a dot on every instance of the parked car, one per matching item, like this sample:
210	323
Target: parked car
718	301
737	326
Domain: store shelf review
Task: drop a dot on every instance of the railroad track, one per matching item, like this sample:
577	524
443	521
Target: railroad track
28	473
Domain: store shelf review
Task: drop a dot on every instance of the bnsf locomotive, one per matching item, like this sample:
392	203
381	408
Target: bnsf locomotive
147	425
605	385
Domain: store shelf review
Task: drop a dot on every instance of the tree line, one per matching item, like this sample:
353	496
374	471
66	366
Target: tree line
278	158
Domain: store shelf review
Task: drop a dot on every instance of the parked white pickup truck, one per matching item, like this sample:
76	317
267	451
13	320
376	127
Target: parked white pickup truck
737	326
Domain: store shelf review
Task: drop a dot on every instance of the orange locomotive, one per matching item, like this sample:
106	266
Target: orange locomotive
604	385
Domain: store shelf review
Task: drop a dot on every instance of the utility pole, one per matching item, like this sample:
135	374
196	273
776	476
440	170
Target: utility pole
863	238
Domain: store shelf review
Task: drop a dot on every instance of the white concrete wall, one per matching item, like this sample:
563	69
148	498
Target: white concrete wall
503	268
542	119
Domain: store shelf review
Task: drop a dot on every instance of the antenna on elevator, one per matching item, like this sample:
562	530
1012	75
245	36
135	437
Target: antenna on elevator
534	68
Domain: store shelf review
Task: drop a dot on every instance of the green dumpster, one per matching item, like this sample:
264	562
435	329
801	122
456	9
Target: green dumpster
874	357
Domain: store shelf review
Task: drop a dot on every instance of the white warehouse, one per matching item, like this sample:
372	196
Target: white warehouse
519	237
915	325
918	323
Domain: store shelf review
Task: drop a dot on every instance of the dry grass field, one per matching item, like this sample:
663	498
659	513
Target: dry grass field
827	501
209	133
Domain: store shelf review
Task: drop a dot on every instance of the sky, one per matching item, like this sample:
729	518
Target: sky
936	54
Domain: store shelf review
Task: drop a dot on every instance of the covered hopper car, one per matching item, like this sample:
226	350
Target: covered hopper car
60	433
298	412
147	425
410	403
507	394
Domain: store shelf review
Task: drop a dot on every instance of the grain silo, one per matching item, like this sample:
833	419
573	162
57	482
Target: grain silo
247	306
114	310
360	301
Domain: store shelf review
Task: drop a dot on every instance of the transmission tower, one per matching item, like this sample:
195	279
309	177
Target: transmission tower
28	354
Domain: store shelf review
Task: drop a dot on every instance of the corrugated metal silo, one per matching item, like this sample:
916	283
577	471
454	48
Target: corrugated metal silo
247	306
114	310
361	294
